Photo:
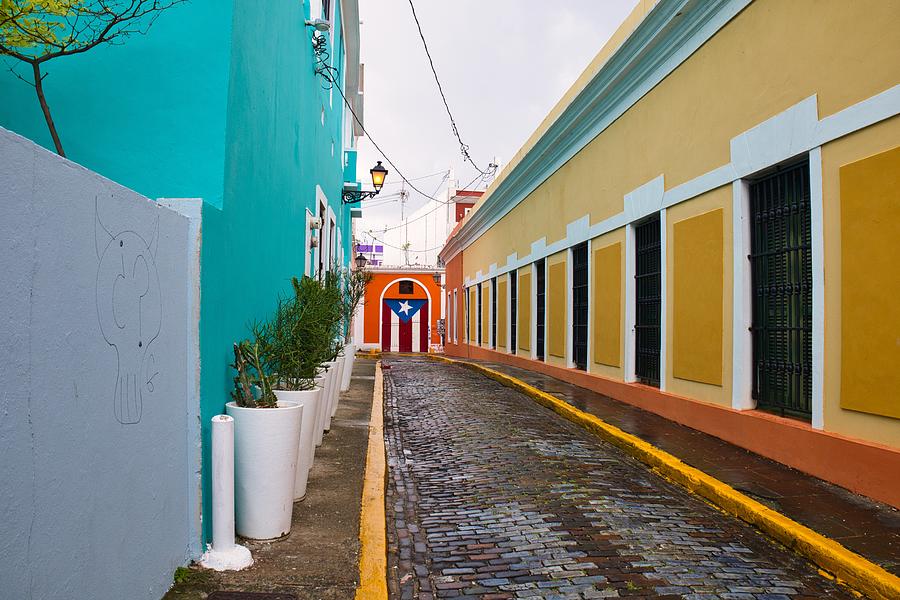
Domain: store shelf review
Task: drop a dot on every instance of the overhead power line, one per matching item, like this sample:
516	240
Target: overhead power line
463	147
445	172
377	239
374	143
425	214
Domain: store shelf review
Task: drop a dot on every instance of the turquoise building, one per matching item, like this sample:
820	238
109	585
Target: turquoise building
221	100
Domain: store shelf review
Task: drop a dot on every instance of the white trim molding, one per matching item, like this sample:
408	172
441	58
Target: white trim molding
663	301
818	287
570	314
742	300
630	316
533	325
789	134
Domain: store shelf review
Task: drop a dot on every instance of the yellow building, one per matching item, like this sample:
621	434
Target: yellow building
707	225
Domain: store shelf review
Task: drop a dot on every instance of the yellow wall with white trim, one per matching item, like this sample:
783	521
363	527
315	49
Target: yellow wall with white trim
880	429
473	315
699	330
486	314
556	330
607	307
502	318
683	127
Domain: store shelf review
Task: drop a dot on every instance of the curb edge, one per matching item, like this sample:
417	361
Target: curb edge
372	523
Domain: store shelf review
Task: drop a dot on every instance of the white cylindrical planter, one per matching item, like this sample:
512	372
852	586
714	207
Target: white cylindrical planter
224	554
349	359
266	444
341	365
333	385
309	400
324	381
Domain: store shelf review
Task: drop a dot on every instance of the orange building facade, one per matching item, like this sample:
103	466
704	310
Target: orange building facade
400	311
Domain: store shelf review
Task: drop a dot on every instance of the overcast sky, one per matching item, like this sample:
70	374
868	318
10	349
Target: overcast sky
503	65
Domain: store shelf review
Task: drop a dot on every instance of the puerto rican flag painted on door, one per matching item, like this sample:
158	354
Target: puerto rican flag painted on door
404	325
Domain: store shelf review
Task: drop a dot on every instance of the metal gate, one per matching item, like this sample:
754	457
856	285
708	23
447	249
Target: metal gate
781	267
541	309
580	305
480	316
513	308
494	313
648	301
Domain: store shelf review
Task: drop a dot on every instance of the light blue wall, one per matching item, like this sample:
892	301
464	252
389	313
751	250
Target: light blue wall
149	114
218	101
97	488
277	152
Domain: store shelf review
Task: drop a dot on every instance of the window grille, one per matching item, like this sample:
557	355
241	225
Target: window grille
781	272
513	308
480	316
648	300
580	305
494	313
541	309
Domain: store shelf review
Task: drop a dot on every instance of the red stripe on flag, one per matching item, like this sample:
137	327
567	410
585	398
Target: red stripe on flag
385	327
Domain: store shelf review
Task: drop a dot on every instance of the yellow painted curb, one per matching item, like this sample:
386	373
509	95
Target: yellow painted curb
847	566
372	534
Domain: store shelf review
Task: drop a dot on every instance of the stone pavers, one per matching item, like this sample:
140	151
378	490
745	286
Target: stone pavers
493	496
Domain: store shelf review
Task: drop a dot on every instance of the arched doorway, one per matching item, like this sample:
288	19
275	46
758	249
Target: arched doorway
405	317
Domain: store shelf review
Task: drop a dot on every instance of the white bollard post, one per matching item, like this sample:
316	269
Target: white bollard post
223	483
224	554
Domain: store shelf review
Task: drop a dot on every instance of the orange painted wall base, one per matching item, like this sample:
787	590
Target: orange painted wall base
861	467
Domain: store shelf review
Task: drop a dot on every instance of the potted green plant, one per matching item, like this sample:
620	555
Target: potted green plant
313	342
292	344
332	320
266	443
353	292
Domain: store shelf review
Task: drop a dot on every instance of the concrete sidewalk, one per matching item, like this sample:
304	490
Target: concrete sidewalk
319	559
869	528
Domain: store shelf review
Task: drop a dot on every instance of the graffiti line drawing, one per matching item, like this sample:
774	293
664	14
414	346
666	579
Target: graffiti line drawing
129	309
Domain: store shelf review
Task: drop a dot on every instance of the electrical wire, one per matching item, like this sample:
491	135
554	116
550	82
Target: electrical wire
377	239
463	147
374	143
423	215
444	172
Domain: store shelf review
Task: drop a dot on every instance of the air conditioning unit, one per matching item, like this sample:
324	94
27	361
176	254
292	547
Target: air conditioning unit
314	222
313	241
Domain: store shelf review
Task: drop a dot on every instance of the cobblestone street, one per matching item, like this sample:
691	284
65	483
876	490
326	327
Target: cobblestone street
492	496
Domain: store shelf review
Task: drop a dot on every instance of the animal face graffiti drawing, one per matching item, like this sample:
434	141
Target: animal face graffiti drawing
129	308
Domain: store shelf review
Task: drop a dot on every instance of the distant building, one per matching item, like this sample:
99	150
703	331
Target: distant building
706	226
385	322
400	312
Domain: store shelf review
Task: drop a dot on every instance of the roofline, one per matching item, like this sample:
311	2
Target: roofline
651	43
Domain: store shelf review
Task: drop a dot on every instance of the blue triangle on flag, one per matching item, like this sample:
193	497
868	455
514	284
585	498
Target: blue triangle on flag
405	309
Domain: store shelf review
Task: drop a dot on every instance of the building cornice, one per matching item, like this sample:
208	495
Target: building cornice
666	37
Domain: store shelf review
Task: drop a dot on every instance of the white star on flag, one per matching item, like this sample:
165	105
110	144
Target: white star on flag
405	308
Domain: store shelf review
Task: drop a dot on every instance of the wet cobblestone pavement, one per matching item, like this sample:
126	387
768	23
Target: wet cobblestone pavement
492	496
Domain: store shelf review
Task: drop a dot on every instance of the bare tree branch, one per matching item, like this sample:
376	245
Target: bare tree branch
35	33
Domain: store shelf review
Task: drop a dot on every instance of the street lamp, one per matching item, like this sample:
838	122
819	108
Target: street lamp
437	277
378	173
361	261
